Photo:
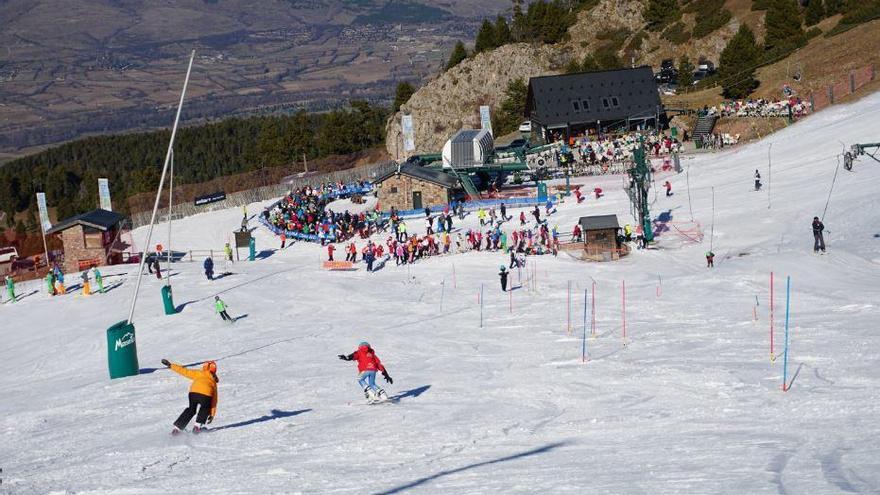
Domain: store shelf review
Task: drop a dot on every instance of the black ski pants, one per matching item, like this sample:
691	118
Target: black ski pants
196	401
818	241
225	315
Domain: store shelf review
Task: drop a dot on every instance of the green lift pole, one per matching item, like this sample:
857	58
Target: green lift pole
640	174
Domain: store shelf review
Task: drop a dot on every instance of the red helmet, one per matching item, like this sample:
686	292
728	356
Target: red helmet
210	366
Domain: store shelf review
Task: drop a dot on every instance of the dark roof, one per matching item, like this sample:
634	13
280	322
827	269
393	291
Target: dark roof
421	173
599	222
554	101
97	219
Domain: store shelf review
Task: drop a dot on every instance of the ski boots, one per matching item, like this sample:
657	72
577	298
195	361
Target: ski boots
176	431
381	395
370	395
198	429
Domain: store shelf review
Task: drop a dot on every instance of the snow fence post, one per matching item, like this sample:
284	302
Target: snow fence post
772	324
584	339
785	352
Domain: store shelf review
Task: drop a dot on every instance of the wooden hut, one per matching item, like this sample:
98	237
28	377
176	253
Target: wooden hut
602	239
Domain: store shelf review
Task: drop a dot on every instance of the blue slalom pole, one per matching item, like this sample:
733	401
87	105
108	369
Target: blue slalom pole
584	340
785	352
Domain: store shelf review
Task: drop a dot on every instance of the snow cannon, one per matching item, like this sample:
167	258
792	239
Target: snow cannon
168	300
121	350
252	249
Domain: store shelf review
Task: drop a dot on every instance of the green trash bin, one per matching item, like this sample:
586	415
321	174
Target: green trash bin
168	300
542	191
252	245
121	350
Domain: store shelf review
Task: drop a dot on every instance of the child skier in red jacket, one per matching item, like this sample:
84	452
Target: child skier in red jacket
368	364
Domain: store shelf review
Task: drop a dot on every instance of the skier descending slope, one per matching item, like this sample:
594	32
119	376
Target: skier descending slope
368	364
202	396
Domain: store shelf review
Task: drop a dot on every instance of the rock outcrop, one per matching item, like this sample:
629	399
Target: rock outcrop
451	101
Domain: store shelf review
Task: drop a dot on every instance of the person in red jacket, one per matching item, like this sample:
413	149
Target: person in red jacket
330	250
368	364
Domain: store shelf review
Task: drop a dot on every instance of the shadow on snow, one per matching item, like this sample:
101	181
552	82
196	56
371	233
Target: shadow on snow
275	414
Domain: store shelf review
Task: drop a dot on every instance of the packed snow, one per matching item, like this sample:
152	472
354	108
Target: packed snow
689	403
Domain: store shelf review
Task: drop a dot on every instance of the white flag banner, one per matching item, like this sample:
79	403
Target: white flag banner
44	212
409	135
104	194
486	119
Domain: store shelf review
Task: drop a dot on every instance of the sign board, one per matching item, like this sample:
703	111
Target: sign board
242	239
485	119
83	265
104	194
44	212
409	135
210	198
339	265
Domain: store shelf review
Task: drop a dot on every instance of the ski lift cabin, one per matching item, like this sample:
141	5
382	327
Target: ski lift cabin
90	239
602	239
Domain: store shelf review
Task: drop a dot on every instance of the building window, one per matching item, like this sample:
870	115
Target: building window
615	102
585	104
576	105
605	104
393	190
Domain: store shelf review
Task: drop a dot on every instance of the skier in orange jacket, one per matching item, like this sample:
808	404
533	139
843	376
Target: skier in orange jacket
202	395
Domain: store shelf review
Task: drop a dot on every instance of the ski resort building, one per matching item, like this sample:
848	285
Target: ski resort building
411	187
90	239
572	104
602	240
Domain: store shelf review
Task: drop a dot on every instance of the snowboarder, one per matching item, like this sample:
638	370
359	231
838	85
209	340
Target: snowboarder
202	396
86	287
99	280
368	365
208	265
757	180
228	251
10	288
710	259
818	237
668	186
503	274
220	307
59	282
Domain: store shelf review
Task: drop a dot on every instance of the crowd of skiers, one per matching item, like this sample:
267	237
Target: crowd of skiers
603	151
761	107
304	212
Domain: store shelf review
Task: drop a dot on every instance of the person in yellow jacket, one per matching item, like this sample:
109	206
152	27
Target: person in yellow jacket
202	395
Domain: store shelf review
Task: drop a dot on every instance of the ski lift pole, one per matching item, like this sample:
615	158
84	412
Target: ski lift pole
584	339
167	295
159	192
785	352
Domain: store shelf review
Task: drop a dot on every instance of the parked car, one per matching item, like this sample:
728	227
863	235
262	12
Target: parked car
526	127
707	66
699	75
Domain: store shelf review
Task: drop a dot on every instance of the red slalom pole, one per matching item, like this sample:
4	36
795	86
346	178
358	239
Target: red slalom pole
623	298
569	307
593	313
772	354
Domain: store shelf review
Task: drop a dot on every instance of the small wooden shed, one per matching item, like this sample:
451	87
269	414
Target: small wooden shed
602	240
90	239
412	187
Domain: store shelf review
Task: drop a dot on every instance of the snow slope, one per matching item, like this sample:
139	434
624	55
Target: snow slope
692	404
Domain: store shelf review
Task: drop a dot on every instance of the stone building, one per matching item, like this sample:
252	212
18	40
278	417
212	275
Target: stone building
411	187
602	239
90	239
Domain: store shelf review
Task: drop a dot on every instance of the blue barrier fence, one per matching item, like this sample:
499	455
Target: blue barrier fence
474	205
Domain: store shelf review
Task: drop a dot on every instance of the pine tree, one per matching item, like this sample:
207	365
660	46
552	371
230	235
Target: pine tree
502	32
660	13
833	7
517	32
737	63
459	53
783	25
589	64
485	37
512	108
685	73
402	95
814	12
572	67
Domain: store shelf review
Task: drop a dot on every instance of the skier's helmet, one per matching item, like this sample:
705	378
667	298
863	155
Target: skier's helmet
216	298
364	343
210	366
501	267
